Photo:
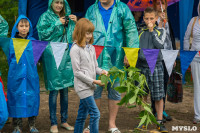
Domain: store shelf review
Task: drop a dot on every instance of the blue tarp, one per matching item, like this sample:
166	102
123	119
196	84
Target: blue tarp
185	16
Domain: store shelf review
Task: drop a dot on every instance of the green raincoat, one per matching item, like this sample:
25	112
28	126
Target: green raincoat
51	29
3	29
121	32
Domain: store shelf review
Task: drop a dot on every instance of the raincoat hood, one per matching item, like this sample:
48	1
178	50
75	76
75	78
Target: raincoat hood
67	7
115	1
15	30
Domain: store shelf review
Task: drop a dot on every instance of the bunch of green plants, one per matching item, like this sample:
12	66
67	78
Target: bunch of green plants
133	84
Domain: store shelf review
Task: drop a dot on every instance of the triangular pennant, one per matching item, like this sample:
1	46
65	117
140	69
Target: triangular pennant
151	56
169	57
98	50
5	43
19	47
186	58
58	49
38	48
132	55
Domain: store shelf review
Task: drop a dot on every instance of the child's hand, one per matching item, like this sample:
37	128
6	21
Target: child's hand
104	72
126	63
62	20
150	25
98	82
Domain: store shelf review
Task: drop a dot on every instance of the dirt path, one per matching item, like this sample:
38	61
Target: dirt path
182	114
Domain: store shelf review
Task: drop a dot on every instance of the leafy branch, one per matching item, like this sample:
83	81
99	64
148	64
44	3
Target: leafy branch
133	84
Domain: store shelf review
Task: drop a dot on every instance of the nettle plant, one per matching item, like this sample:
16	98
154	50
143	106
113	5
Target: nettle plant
132	83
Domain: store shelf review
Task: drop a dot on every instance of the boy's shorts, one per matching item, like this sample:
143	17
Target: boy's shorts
112	93
155	81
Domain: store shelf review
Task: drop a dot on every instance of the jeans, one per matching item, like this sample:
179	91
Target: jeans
195	66
63	104
87	106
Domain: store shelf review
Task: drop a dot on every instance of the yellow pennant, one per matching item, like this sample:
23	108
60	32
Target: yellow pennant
19	46
132	55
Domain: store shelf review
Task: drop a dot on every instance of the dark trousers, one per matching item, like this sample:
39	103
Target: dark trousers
17	122
166	78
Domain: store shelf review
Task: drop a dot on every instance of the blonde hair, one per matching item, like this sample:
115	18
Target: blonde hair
83	26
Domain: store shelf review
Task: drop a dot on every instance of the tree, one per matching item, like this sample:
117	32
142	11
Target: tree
9	11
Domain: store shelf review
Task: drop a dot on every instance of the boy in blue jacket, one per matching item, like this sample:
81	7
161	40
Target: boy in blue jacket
23	80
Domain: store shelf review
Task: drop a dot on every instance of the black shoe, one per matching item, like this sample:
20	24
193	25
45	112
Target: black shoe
166	116
162	128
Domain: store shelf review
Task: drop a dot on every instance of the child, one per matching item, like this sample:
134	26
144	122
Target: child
23	80
152	37
53	27
170	44
85	67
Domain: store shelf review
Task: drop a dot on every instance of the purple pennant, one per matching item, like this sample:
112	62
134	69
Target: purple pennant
38	48
151	56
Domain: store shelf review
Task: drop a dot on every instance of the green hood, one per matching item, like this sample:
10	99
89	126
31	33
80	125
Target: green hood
67	7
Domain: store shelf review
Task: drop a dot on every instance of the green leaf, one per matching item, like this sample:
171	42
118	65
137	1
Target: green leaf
132	106
121	89
148	109
123	100
104	80
143	120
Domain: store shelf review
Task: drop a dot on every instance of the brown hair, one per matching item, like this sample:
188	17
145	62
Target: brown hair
150	10
83	26
23	21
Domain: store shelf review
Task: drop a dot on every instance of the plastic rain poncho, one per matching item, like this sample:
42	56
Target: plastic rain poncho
23	81
121	32
51	29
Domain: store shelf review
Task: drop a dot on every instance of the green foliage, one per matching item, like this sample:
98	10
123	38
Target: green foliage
133	84
9	10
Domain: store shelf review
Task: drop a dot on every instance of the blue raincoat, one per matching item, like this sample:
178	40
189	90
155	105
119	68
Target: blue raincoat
23	80
121	32
3	108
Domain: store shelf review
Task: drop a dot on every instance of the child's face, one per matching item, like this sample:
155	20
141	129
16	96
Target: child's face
158	6
88	36
57	6
150	18
23	28
106	1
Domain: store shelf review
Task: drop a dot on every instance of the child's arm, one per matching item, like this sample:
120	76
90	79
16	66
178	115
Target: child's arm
158	40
